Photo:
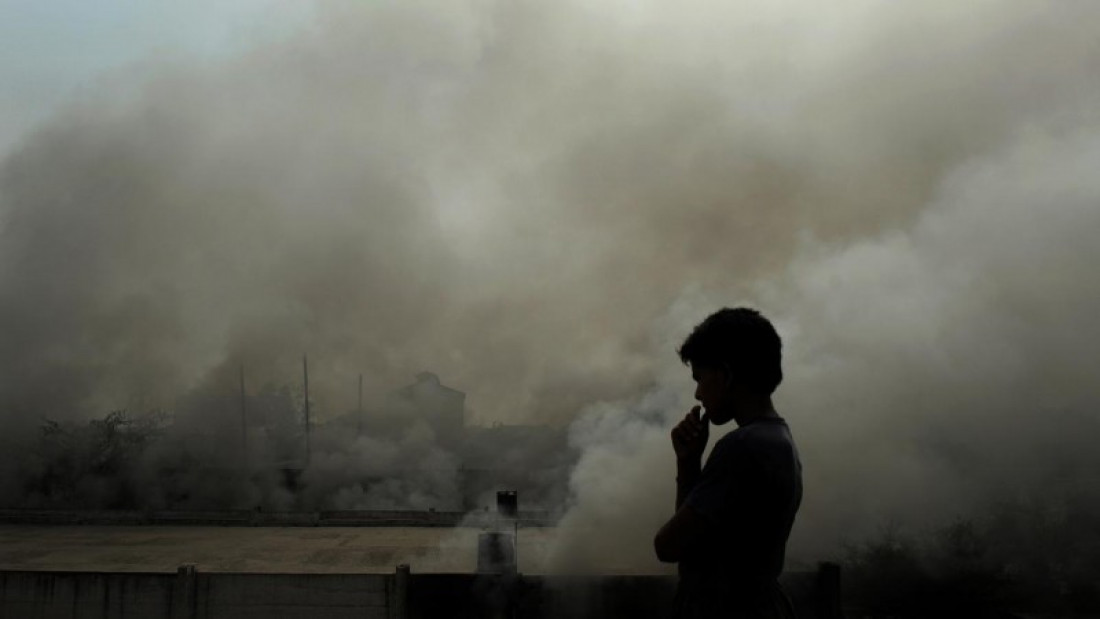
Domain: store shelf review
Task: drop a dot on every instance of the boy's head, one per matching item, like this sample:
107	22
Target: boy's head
733	349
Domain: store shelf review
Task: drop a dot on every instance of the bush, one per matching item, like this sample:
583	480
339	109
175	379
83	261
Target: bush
1021	557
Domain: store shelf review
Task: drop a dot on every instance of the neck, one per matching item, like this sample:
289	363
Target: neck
754	407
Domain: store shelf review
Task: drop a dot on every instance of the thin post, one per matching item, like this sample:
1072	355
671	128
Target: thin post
359	409
244	423
305	376
401	592
185	604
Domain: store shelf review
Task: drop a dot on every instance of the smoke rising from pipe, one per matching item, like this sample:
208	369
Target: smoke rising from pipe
537	201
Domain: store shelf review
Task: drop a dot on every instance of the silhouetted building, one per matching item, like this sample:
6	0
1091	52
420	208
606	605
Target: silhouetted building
443	408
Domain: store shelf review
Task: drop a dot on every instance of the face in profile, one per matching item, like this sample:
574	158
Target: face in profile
712	391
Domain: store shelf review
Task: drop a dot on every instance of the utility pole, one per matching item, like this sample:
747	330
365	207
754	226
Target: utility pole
244	423
359	410
305	375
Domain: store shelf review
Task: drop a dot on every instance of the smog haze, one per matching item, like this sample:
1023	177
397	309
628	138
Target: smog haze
537	201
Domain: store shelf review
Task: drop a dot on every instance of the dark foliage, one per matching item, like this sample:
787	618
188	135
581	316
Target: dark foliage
90	465
1020	558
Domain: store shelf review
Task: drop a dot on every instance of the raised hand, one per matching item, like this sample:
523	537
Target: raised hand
689	437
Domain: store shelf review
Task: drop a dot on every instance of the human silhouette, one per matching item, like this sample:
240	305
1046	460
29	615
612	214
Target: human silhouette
733	515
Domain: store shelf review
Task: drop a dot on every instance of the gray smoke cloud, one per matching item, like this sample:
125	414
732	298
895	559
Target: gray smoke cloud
537	201
931	372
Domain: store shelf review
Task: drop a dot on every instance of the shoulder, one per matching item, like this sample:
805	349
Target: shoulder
732	446
770	430
762	438
730	441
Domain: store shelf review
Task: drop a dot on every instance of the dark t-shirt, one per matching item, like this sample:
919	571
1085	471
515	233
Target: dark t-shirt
749	492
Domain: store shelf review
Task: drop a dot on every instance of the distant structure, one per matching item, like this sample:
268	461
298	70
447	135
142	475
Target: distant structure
209	431
533	459
211	425
443	408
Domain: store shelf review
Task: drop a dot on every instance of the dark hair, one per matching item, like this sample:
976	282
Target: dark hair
740	340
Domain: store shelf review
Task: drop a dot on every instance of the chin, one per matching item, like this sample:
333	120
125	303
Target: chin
720	420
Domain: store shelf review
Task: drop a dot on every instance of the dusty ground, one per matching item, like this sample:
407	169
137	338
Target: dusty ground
254	549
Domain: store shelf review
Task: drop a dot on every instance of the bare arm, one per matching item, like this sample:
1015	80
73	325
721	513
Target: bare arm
689	440
687	474
685	528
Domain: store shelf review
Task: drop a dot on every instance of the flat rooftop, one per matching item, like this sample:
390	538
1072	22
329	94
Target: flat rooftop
300	550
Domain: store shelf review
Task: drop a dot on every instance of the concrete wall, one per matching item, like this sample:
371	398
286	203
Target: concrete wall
461	596
49	595
192	595
260	596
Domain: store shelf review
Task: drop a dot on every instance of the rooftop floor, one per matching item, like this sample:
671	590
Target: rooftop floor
113	548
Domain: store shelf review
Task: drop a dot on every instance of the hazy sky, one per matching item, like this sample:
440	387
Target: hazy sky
50	50
537	200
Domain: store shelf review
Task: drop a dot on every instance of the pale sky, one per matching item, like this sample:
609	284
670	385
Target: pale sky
50	49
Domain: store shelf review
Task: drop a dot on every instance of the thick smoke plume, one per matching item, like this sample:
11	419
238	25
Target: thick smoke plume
537	200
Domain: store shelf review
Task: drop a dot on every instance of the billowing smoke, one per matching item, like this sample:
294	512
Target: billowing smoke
538	200
932	372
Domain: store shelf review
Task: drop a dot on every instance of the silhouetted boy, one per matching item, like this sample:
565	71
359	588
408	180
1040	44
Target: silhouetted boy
733	516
